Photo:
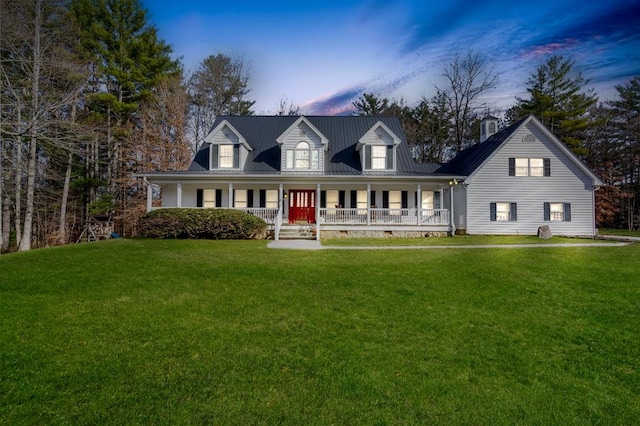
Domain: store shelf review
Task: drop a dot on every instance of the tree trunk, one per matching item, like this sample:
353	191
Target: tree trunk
62	231
17	168
25	243
1	189
6	222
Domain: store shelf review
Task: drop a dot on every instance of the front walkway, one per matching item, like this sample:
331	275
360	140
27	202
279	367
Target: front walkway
315	245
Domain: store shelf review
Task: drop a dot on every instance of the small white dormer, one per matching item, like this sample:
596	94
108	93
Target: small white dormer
302	146
488	127
229	148
377	148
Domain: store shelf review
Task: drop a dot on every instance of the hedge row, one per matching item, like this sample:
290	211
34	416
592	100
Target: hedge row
212	224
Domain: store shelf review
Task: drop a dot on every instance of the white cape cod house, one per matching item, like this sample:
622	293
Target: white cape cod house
355	176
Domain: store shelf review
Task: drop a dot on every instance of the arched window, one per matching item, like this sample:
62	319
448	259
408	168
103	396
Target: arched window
302	155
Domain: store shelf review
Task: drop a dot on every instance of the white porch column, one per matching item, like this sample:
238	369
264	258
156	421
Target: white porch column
149	195
179	195
230	195
318	204
419	200
453	225
368	204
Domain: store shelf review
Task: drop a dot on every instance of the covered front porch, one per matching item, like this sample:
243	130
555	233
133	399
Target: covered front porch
329	210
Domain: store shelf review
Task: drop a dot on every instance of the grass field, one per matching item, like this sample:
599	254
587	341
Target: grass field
231	332
458	240
619	232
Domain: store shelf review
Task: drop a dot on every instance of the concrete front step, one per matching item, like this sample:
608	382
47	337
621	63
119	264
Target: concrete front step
296	232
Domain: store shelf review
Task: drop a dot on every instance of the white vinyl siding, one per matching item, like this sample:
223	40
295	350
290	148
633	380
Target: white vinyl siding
567	182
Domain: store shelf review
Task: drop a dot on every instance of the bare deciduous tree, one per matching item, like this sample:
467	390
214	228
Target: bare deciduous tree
468	77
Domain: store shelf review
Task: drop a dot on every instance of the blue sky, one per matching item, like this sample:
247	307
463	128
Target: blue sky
322	55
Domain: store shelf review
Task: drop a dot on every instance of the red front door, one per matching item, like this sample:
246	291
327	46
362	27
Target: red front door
302	206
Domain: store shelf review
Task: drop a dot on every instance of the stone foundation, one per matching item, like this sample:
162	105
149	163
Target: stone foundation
381	234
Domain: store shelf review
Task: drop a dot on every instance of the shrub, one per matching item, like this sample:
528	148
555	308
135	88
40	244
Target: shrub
211	224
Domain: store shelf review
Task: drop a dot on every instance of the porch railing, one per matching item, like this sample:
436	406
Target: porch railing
385	216
267	214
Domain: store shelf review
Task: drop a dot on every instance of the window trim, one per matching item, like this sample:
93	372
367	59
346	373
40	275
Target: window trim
215	156
514	168
512	212
294	155
566	212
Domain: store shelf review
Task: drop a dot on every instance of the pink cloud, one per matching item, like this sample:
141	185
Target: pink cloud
548	48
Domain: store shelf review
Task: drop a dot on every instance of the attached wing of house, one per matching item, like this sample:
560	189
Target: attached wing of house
519	179
351	176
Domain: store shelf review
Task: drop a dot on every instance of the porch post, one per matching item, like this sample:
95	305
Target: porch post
149	195
419	206
318	204
453	225
368	204
230	195
179	195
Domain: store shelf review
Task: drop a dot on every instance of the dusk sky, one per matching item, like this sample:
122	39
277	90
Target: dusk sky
322	55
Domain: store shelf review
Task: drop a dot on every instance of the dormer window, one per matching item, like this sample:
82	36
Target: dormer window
302	157
302	147
225	156
228	147
377	148
378	157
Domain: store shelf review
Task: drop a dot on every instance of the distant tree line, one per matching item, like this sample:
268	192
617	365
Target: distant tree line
90	96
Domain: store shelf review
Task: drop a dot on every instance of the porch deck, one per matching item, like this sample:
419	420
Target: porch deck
360	219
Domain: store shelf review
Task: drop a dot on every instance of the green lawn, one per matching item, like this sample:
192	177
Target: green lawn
458	240
231	332
619	232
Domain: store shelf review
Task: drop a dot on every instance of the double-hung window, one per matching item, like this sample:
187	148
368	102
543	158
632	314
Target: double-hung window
529	167
209	198
241	198
557	212
503	212
378	157
226	156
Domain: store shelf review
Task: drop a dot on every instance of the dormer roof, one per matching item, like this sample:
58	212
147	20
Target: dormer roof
224	124
296	126
375	131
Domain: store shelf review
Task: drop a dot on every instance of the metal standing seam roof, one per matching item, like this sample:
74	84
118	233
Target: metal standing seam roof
468	160
343	133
